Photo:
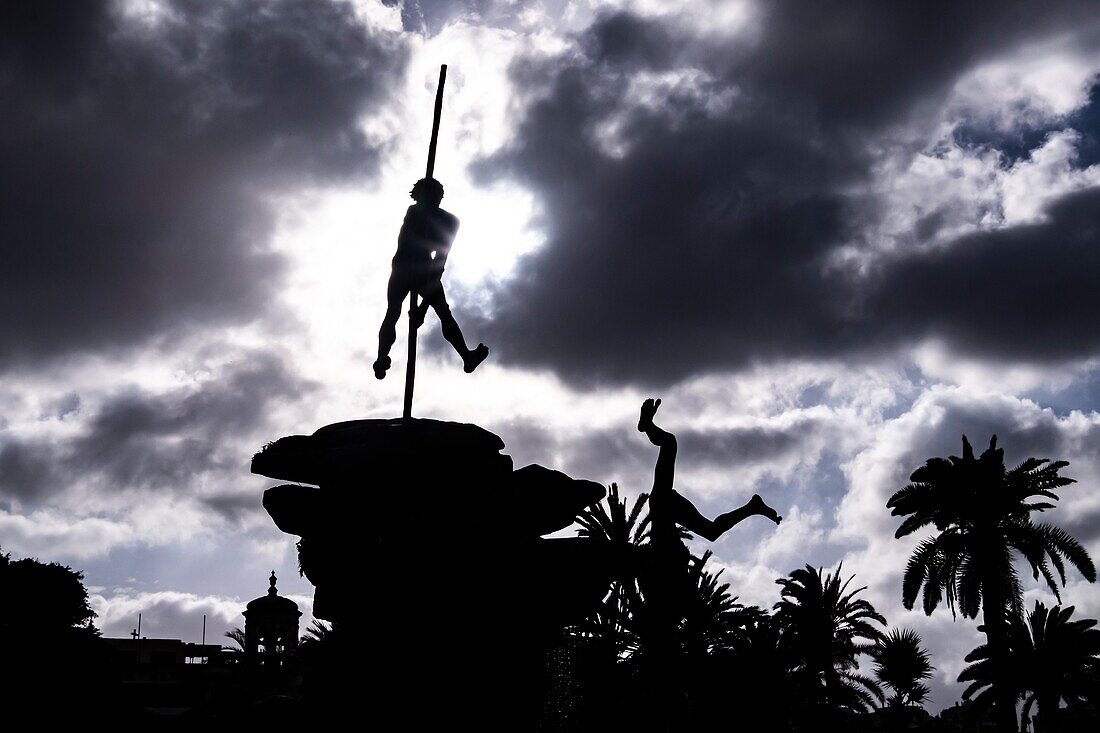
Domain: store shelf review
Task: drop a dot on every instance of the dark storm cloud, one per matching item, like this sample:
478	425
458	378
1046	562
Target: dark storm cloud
235	507
25	469
1023	292
160	440
649	253
866	62
748	445
136	159
1085	527
704	244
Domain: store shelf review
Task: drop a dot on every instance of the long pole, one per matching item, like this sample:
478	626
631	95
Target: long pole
410	364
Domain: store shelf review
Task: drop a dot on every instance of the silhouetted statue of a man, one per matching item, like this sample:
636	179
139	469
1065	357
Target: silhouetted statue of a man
668	508
664	575
422	248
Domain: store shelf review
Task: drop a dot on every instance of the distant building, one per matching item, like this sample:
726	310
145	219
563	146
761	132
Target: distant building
160	660
170	678
271	626
167	677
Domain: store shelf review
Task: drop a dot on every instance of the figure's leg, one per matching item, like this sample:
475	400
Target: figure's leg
665	470
688	517
387	334
434	296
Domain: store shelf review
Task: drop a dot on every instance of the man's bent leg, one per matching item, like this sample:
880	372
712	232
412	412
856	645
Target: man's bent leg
434	296
688	517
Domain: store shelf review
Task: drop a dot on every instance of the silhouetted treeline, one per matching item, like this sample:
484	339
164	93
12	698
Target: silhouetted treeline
820	658
54	667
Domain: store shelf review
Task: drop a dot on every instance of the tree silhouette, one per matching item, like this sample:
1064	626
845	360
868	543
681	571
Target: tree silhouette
318	632
983	515
51	595
235	635
1050	659
760	677
712	616
611	520
56	667
902	665
828	629
624	527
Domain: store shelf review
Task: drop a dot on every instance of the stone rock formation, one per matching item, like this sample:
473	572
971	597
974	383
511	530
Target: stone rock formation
427	550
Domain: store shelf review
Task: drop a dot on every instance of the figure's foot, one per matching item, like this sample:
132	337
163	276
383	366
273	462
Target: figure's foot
757	506
645	417
380	366
474	357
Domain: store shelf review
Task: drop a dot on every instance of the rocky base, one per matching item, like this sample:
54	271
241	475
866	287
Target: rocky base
426	549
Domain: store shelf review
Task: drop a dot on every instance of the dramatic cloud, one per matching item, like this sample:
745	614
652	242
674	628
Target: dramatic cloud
140	149
1018	293
865	63
698	192
832	236
169	442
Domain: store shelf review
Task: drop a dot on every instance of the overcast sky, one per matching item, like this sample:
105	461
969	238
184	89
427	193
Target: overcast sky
832	236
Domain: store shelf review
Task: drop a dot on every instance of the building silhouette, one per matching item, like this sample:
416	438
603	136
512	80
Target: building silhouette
271	627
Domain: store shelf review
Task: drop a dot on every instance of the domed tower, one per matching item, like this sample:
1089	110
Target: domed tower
271	623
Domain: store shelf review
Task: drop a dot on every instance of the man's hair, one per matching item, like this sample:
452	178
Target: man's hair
427	188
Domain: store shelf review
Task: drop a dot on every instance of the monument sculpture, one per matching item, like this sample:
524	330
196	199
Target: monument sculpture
428	549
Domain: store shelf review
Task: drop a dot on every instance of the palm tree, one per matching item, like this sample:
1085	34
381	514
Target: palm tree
983	515
317	632
761	679
237	637
1051	659
615	522
902	665
827	629
712	617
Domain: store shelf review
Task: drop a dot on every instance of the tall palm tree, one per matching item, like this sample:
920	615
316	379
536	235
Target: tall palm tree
982	513
1051	659
828	629
903	665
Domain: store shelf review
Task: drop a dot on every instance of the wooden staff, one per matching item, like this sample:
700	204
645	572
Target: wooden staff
410	364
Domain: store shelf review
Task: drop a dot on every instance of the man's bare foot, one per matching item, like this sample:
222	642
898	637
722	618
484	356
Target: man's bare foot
474	357
645	417
380	366
757	506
